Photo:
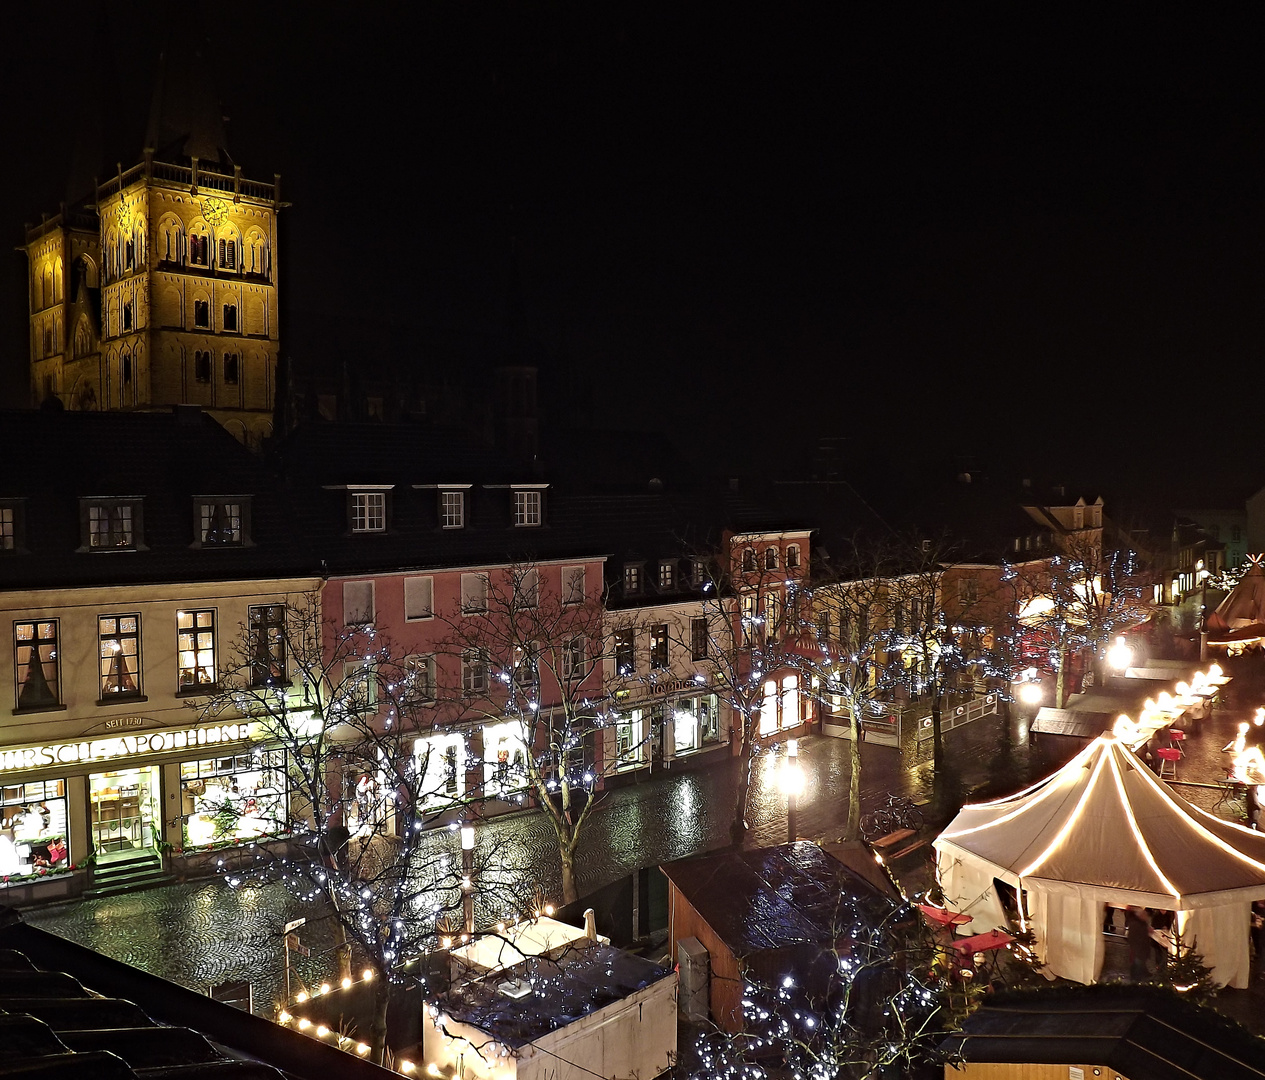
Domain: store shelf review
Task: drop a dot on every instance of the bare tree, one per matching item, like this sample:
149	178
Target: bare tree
1080	598
853	674
529	649
350	803
880	1002
746	636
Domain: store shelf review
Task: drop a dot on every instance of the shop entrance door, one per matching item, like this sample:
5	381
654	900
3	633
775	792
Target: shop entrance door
124	803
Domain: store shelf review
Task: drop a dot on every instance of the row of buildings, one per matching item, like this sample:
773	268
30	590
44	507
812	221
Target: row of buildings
140	553
139	550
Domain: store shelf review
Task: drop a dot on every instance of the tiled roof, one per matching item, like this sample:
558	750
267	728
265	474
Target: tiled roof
324	462
53	459
1143	1033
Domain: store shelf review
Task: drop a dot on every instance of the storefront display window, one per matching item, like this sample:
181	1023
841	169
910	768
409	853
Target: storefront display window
631	748
504	758
33	829
768	709
233	797
442	761
370	800
695	722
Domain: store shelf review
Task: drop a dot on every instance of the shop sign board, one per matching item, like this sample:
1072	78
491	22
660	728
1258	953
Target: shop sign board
127	746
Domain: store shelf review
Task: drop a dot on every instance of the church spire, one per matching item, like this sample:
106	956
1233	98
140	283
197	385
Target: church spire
186	119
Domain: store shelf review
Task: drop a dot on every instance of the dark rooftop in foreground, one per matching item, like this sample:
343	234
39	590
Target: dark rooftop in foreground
69	1012
1143	1033
773	897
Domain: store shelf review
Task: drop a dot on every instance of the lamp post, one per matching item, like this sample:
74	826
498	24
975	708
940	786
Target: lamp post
792	783
467	878
1120	656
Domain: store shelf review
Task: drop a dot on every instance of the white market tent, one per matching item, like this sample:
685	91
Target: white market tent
1239	617
1105	830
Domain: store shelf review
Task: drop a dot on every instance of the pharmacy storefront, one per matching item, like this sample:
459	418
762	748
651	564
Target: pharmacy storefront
123	794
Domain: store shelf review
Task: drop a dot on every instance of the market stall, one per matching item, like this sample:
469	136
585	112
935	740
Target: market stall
1103	831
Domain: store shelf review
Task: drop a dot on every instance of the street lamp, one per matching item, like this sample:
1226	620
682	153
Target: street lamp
792	781
467	878
1120	656
1030	691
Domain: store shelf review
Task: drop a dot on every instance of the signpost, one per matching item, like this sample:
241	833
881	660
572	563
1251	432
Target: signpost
291	940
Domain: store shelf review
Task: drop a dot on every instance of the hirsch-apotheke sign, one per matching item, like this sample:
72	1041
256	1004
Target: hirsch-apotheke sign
124	746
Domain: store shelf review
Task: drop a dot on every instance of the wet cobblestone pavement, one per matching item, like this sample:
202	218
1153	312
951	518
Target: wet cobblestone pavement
203	932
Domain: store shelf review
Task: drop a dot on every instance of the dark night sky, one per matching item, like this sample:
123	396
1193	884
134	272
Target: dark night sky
933	235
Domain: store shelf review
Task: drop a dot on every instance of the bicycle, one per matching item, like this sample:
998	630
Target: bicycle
898	813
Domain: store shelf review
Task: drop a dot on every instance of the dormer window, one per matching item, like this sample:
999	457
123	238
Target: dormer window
11	522
452	509
526	509
111	525
368	511
667	576
632	579
221	522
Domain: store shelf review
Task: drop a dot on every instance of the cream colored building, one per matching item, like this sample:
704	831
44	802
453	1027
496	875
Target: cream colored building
105	752
660	675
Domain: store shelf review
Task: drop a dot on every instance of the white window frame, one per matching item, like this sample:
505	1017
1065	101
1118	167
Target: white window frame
121	515
474	671
421	669
527	509
432	751
469	592
359	616
368	511
571	577
8	528
574	656
452	509
529	588
792	556
418	608
361	671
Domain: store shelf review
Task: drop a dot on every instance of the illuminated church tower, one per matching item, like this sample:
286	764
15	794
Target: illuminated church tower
162	290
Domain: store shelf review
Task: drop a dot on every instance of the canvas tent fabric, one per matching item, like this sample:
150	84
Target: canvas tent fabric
1105	830
1245	604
